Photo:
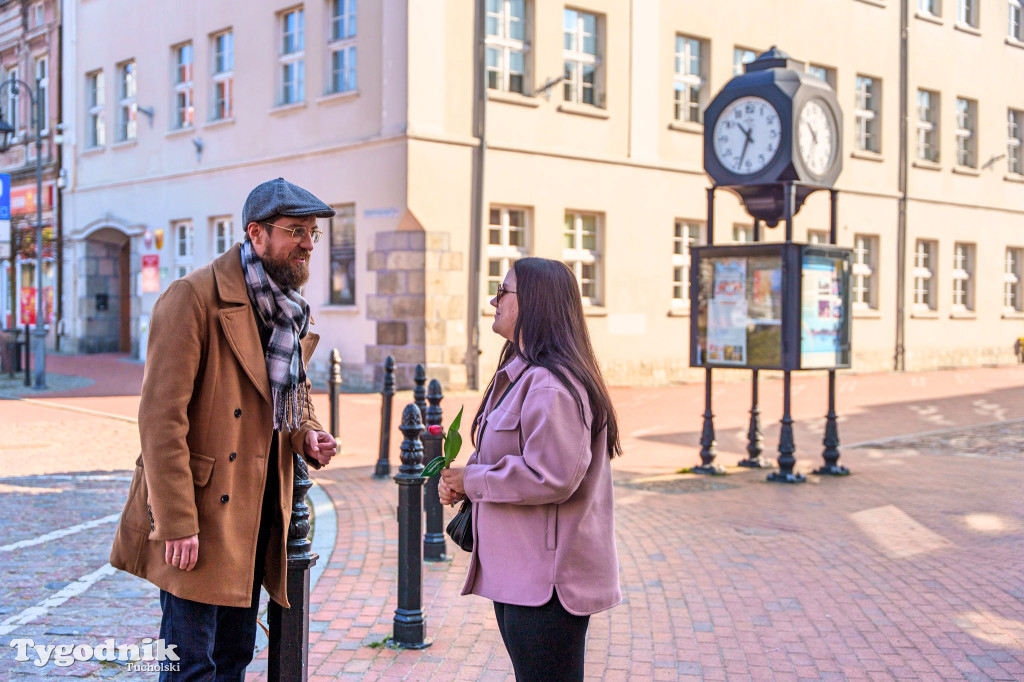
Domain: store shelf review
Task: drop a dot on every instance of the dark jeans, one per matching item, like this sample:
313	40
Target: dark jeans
546	643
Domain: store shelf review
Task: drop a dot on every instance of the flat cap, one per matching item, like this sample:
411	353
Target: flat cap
280	197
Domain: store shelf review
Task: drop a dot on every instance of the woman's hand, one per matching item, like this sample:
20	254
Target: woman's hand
449	488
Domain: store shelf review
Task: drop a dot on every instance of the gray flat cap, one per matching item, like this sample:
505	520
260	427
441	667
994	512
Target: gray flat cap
280	197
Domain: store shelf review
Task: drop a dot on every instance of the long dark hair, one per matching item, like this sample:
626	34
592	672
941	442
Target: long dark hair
550	332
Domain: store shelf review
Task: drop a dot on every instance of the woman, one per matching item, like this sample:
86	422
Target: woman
540	479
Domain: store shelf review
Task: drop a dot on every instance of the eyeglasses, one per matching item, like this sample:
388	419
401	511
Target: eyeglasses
501	292
299	233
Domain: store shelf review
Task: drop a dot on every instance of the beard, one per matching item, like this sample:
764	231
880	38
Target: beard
284	271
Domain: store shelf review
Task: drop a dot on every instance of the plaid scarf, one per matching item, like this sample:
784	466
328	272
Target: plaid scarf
286	314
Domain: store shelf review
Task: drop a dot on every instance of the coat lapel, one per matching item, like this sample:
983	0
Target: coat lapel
238	323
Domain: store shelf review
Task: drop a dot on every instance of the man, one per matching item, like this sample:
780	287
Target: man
225	403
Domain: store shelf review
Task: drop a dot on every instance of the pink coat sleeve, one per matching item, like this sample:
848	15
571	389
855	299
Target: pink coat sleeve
556	454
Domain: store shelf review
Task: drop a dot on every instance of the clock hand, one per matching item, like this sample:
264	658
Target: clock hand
739	164
745	131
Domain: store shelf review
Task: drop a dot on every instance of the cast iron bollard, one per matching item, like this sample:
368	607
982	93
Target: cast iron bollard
334	386
755	440
434	548
410	625
787	446
419	392
831	441
288	654
708	447
383	469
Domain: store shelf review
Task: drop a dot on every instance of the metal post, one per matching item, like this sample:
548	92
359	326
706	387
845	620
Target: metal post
288	654
334	386
383	469
831	441
419	391
786	444
28	356
708	447
755	440
410	625
434	548
40	333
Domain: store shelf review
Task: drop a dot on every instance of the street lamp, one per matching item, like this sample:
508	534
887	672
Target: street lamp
6	133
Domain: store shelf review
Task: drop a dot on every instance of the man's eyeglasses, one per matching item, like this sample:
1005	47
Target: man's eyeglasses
501	292
299	233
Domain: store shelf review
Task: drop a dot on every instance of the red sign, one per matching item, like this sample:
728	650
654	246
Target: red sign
23	199
28	305
150	273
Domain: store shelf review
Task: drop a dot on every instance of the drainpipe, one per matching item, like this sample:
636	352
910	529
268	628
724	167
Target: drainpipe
901	224
476	219
58	198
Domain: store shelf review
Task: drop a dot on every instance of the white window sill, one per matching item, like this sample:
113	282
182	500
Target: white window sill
876	3
866	155
866	314
1013	177
925	16
687	127
92	151
1013	42
180	131
217	123
124	144
924	314
512	98
287	108
679	312
583	110
333	308
924	164
333	97
963	315
594	311
967	28
966	170
1013	315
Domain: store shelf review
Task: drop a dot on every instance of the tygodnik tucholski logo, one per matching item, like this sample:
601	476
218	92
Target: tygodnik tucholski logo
150	655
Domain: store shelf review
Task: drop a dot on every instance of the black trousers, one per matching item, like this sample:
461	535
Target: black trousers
546	643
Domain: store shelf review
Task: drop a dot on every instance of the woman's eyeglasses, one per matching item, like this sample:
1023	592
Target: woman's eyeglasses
299	233
501	292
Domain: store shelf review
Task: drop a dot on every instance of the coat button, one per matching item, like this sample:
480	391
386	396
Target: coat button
238	412
479	495
232	456
224	498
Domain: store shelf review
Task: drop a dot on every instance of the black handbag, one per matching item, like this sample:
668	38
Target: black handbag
460	528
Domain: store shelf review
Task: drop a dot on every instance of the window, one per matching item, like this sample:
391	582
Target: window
867	113
687	233
1014	141
184	109
823	73
580	252
690	79
223	76
222	237
127	127
343	255
580	56
10	102
1012	300
933	7
865	265
293	66
506	45
342	46
37	15
1014	24
924	274
963	282
506	243
967	12
96	126
966	140
743	234
927	125
741	56
184	241
818	237
42	74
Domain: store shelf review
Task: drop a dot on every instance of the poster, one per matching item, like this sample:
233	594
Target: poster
28	305
150	273
727	313
821	313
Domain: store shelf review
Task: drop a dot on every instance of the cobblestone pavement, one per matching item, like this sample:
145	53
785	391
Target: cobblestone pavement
908	569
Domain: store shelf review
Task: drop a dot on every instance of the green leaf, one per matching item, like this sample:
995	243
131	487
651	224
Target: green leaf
433	467
453	441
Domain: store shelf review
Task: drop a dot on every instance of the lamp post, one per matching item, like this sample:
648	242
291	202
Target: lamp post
6	132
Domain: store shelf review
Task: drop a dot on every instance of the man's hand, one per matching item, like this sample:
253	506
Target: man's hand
320	446
182	553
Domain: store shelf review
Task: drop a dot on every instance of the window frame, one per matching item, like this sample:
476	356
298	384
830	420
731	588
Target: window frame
343	45
338	252
95	94
740	58
221	228
925	275
293	62
868	114
1015	141
689	83
968	13
504	45
928	134
1015	20
1013	276
183	86
930	7
505	253
686	234
128	108
962	276
222	75
574	87
819	70
742	233
577	257
965	132
184	235
864	272
42	79
10	102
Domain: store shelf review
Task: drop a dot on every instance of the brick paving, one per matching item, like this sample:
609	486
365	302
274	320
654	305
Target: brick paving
908	569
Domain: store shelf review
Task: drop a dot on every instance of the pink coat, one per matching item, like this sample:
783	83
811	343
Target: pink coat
543	507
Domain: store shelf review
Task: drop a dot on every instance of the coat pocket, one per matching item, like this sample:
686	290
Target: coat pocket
551	535
202	467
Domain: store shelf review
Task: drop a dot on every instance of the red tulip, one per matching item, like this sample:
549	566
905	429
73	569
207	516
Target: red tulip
434	430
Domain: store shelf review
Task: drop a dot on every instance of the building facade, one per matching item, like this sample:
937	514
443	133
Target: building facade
30	54
591	125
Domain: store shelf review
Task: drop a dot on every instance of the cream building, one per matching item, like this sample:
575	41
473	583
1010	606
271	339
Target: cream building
591	154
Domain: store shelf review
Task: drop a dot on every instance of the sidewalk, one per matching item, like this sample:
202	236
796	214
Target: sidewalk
908	569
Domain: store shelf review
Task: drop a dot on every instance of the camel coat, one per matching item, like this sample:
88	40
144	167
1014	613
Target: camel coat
205	421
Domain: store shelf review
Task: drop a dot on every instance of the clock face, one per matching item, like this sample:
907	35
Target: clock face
815	138
747	135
